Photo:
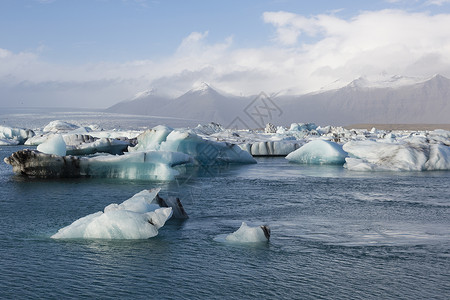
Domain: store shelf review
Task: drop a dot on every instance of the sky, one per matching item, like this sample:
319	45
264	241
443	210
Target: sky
95	53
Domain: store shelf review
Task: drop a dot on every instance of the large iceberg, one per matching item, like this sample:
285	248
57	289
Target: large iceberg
203	151
396	156
135	218
319	152
151	165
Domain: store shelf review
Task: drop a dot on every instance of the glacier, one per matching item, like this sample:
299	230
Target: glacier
135	218
319	152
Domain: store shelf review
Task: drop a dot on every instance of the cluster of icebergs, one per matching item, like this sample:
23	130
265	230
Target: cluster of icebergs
163	153
355	149
140	217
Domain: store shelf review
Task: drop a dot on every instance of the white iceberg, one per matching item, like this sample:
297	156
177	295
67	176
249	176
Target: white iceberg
319	152
58	126
37	139
83	144
6	142
135	218
151	139
203	151
14	136
54	145
247	234
396	156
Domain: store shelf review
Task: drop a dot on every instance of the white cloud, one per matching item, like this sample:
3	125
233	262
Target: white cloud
437	2
306	54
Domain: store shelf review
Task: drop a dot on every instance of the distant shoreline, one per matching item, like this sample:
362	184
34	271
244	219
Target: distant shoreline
399	126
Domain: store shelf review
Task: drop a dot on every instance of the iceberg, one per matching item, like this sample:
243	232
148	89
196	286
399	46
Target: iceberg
53	145
14	136
204	152
135	218
5	142
396	156
247	234
84	144
151	139
58	126
270	148
151	165
319	152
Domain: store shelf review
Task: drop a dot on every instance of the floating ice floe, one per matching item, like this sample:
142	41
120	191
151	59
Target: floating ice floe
319	152
396	156
247	234
14	136
136	218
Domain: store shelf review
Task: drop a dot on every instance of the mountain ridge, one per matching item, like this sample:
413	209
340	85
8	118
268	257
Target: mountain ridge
405	101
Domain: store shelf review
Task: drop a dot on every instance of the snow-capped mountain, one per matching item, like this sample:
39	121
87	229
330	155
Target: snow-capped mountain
142	103
386	99
362	102
205	104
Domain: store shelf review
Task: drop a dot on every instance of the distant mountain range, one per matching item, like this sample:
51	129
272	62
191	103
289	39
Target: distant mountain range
393	100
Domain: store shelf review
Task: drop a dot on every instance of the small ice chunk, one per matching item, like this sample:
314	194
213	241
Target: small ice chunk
319	152
247	234
54	145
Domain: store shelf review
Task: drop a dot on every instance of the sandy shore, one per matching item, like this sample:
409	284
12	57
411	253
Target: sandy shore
400	126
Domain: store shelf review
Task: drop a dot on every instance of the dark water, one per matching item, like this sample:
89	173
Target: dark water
335	235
